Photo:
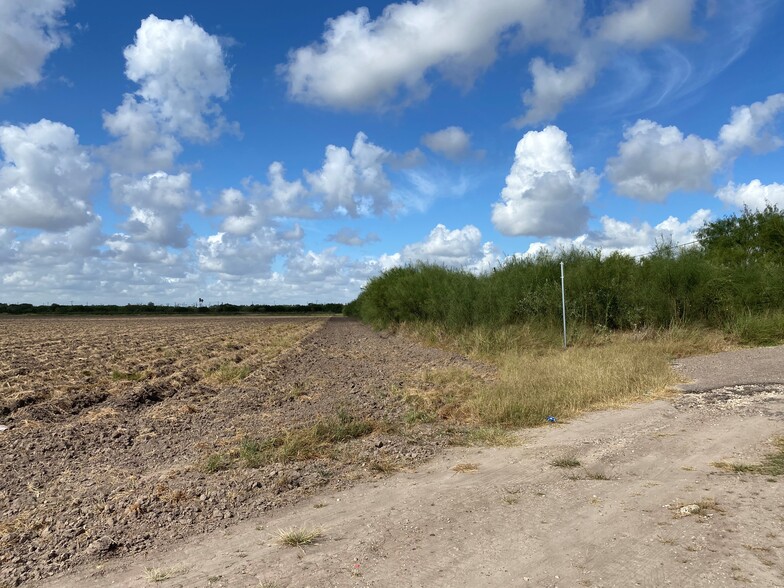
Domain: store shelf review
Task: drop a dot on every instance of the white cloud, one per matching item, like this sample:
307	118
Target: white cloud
375	63
46	177
642	238
141	144
181	71
755	195
654	161
544	194
182	75
31	30
460	248
351	237
265	203
634	239
157	202
245	255
452	142
751	127
553	87
354	182
391	60
81	241
647	21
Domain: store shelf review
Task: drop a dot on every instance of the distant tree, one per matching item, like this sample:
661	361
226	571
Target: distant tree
754	235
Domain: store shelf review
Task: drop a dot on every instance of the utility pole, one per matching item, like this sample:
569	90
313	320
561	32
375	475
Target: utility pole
563	303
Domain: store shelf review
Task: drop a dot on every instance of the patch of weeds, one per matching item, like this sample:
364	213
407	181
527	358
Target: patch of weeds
596	476
771	465
160	574
230	372
127	376
565	462
319	505
217	462
465	468
254	453
269	584
342	428
511	499
416	416
297	537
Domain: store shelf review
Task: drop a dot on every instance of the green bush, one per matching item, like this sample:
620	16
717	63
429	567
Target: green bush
734	278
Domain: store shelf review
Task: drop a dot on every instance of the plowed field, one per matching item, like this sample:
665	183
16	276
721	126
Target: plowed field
125	434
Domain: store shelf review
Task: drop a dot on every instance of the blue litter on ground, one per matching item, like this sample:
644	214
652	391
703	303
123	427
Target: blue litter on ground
551	419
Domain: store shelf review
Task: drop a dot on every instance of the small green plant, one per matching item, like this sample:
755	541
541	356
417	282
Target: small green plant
127	376
771	465
565	462
416	415
217	462
297	537
230	372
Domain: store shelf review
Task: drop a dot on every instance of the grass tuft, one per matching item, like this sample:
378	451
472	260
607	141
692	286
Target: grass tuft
465	468
127	376
297	537
565	462
217	462
230	372
772	464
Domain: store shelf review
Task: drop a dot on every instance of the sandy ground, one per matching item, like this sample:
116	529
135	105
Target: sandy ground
518	520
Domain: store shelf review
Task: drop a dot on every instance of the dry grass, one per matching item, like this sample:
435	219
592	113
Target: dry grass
465	468
565	462
154	575
297	537
537	379
230	372
771	465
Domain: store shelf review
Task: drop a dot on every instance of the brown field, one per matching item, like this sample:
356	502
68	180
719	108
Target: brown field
125	434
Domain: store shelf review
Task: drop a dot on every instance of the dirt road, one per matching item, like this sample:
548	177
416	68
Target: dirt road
644	507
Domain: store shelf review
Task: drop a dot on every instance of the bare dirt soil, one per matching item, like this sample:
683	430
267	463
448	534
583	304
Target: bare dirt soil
642	503
111	423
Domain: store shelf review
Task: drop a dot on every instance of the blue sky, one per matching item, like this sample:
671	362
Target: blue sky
288	152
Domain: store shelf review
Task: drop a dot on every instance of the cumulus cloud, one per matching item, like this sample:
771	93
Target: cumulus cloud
31	30
544	194
553	87
182	75
654	161
353	182
460	248
630	238
157	202
750	127
245	255
351	237
647	21
46	177
452	142
264	203
755	195
391	60
375	63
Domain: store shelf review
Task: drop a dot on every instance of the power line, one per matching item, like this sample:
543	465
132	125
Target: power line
670	245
